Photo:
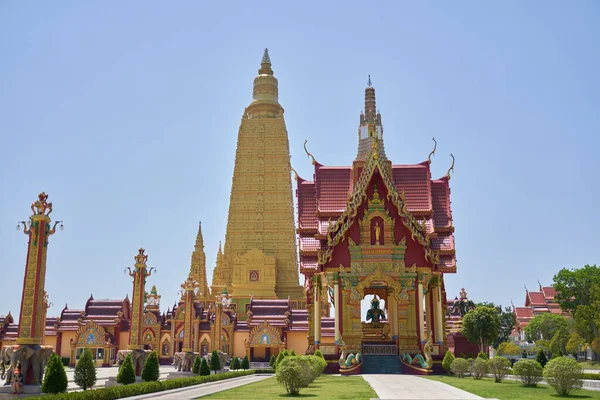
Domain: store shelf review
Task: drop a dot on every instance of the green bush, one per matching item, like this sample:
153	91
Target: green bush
499	367
151	370
215	363
447	362
294	374
245	363
529	371
196	366
126	373
316	364
319	354
66	361
280	357
55	378
204	368
478	368
459	367
483	356
541	358
564	375
118	392
235	364
591	375
272	361
85	370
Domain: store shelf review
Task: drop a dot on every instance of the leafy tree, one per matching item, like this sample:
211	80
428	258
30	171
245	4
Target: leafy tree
85	370
447	361
508	349
541	358
545	326
151	372
559	341
529	371
235	364
481	326
499	367
204	368
507	322
55	378
294	373
482	355
574	344
126	373
215	363
574	287
564	375
272	361
245	363
195	367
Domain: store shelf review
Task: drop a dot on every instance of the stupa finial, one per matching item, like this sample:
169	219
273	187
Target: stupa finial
266	59
369	82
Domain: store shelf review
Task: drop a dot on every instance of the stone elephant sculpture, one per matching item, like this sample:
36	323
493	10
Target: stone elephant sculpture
18	355
39	360
3	360
184	361
138	358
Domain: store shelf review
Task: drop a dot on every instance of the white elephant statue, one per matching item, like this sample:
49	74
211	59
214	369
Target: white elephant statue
138	358
184	361
39	360
17	355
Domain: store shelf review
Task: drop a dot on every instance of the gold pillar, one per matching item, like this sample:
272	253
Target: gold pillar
173	323
196	336
139	275
437	308
317	315
189	286
429	314
336	300
419	309
392	307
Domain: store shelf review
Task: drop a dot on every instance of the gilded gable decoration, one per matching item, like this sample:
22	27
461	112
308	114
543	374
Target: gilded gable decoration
265	335
90	334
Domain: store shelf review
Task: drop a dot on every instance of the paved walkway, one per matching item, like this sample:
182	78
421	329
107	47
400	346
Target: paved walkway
392	387
204	389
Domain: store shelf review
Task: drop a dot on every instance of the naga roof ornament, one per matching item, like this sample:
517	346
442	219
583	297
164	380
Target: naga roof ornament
451	167
432	151
308	154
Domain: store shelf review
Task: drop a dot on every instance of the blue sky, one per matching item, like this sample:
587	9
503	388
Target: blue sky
127	115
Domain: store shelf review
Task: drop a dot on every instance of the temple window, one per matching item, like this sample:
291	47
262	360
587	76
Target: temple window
254	276
165	348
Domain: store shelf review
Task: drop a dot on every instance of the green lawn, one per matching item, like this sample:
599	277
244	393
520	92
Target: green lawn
510	390
324	387
590	364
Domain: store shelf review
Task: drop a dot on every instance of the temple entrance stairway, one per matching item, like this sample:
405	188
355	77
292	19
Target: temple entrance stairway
380	358
381	365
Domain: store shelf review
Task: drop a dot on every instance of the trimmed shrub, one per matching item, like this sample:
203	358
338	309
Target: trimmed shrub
204	368
235	364
85	370
483	356
317	364
215	363
459	367
294	374
319	354
245	363
541	358
529	371
118	392
55	378
293	352
499	367
272	361
280	357
564	375
195	367
126	373
591	375
478	368
447	362
150	372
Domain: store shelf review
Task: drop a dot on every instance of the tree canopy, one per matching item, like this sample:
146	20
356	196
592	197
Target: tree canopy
545	326
573	287
481	326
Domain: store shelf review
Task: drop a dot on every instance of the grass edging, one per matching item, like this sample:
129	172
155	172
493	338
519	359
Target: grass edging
136	389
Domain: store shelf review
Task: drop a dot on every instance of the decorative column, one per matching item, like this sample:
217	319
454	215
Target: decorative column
419	309
189	288
337	305
32	321
429	313
317	310
437	309
140	273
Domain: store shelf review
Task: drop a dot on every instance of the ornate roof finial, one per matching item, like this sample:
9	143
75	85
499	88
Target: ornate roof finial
266	59
307	153
292	168
220	251
451	167
369	82
432	151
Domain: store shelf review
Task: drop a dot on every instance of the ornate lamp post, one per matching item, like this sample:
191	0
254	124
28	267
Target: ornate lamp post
189	290
139	273
32	318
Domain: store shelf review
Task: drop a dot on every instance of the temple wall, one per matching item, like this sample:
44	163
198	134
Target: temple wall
50	340
65	347
239	347
297	341
123	340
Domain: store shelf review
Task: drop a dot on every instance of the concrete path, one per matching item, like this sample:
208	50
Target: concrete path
204	389
392	387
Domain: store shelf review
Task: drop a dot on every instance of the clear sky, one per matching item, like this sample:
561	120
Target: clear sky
127	114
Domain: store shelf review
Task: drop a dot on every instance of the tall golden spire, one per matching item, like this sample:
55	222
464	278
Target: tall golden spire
370	130
218	280
198	265
260	243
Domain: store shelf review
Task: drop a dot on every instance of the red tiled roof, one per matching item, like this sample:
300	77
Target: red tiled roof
523	312
307	205
414	181
333	186
441	203
537	298
309	244
549	292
